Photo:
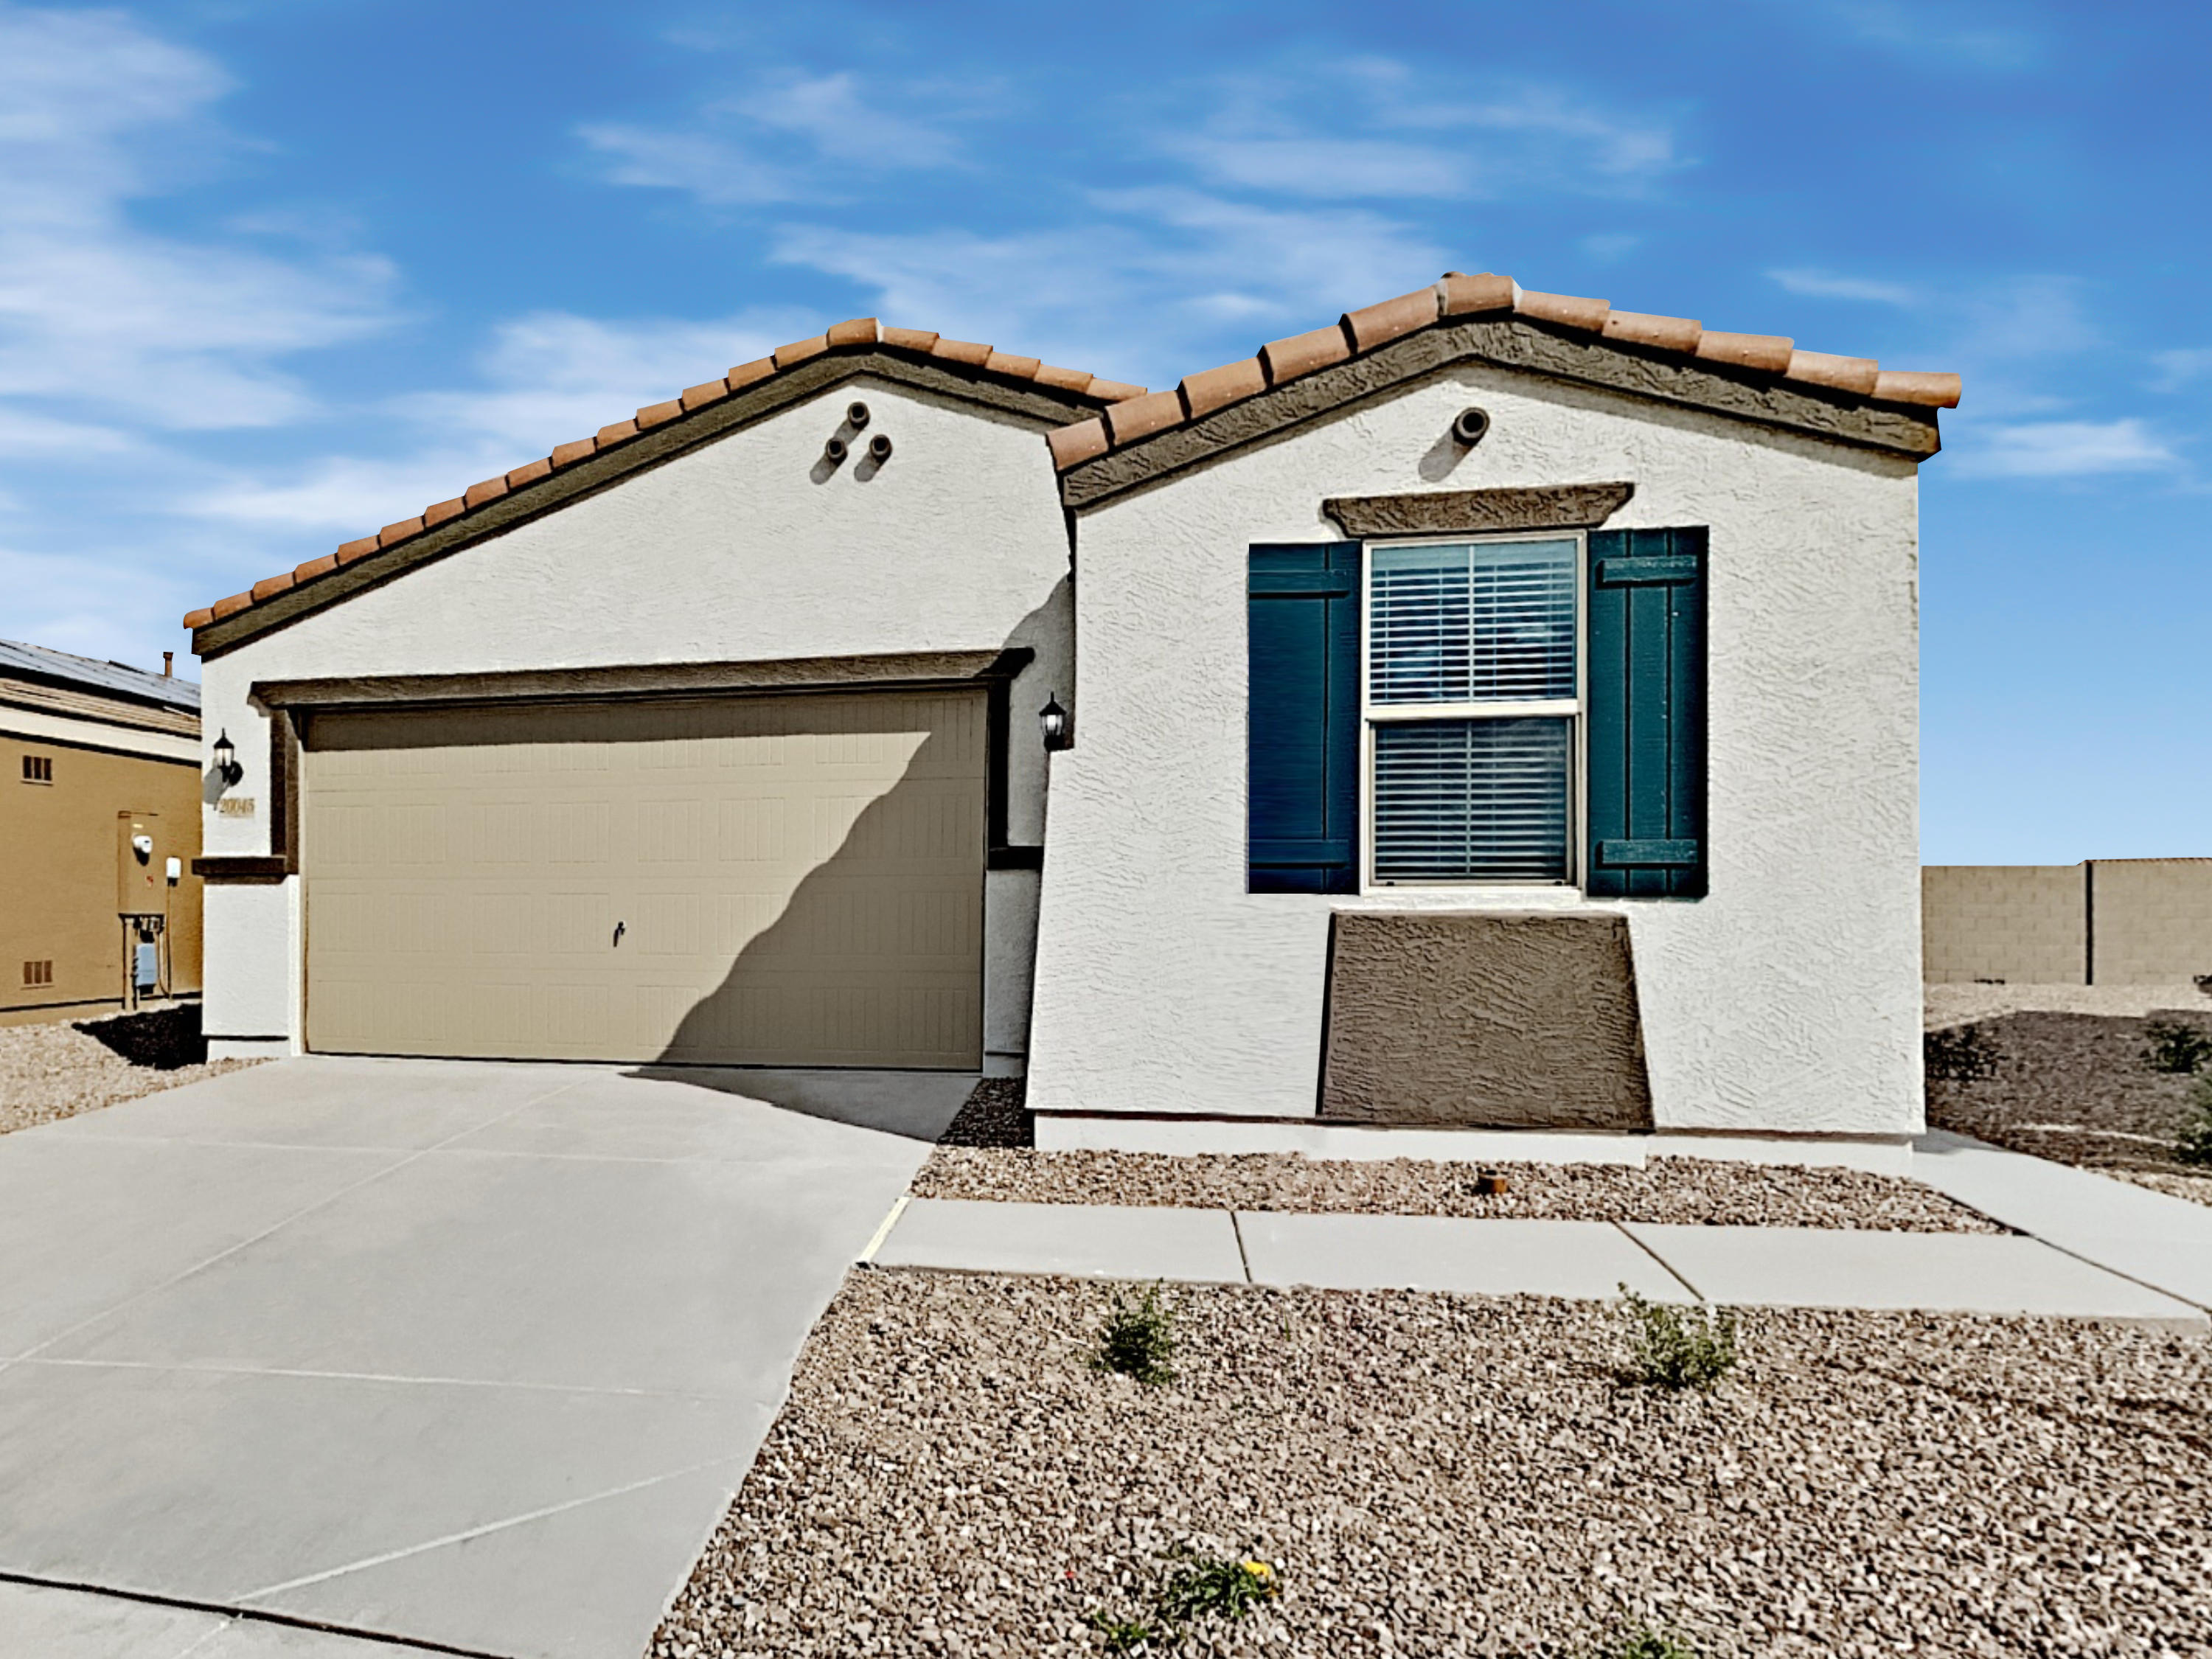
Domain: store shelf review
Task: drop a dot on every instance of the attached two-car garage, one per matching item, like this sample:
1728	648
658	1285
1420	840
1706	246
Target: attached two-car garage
744	880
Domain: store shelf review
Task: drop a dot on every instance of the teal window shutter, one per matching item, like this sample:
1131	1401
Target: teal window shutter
1647	714
1302	610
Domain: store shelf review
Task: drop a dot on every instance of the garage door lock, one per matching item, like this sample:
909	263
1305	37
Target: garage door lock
620	927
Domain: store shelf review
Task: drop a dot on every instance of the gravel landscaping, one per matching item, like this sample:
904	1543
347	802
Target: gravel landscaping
57	1070
986	1154
1441	1476
1697	1191
2075	1087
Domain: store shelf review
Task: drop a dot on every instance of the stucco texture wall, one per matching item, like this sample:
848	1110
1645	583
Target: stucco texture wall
1788	999
744	549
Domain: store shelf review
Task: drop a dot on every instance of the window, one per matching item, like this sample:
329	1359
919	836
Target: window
39	973
38	768
1473	706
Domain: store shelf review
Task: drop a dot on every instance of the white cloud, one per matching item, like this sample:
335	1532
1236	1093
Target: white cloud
1926	29
1327	167
2179	368
794	136
2066	449
544	379
96	312
1826	285
1128	295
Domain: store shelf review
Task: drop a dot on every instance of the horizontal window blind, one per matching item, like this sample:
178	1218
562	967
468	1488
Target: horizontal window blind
1491	621
1482	801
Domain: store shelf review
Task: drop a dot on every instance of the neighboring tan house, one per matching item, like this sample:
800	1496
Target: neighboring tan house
99	815
1491	709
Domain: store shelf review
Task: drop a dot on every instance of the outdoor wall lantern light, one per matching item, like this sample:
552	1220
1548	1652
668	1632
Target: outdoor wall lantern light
226	760
1053	718
1469	425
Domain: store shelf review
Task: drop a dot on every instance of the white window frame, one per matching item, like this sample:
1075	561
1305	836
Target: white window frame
1575	711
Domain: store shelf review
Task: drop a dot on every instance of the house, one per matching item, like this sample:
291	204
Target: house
99	813
1491	710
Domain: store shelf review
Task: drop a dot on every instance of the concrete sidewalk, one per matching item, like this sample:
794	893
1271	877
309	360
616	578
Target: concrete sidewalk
1745	1267
39	1621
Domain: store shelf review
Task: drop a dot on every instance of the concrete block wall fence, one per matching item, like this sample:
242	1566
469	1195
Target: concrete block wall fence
2103	921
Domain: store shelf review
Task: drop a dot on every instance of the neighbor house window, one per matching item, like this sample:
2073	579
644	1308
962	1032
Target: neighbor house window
1472	703
38	768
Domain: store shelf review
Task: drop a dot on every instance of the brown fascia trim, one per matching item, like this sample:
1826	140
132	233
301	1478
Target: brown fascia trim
1039	408
1478	512
251	869
1512	342
788	674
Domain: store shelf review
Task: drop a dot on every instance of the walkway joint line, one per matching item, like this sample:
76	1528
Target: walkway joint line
884	1229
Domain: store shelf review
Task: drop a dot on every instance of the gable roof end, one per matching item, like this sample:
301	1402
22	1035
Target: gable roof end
858	333
1458	297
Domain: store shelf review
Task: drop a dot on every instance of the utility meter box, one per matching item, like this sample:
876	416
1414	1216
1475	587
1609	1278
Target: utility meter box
141	865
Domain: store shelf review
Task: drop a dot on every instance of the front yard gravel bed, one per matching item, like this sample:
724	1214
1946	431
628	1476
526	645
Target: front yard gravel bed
1446	1475
1693	1190
57	1070
2074	1087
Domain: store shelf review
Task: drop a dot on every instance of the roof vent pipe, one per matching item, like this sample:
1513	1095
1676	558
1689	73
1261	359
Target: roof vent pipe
856	416
879	449
1469	425
834	450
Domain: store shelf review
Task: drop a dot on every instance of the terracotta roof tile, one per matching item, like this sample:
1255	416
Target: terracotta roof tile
1302	353
1855	375
1080	442
1913	386
1063	380
1462	295
1569	310
1458	294
1371	326
1641	328
1138	417
799	350
1769	352
1215	388
854	333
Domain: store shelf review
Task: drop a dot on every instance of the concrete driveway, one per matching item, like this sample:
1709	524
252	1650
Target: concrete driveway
466	1353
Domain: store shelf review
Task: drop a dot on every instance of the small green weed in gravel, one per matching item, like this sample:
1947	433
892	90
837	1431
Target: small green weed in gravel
1679	1347
1643	1642
1137	1339
2176	1045
2195	1145
1961	1054
1194	1586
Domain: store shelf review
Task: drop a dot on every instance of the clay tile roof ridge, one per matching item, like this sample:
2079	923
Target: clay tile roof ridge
855	333
1454	295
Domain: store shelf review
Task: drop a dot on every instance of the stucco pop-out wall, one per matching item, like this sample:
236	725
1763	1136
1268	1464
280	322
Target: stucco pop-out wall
740	551
1787	998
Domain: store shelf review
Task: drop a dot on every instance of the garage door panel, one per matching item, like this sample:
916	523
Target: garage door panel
799	881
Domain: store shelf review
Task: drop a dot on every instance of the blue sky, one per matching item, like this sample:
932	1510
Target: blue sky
274	274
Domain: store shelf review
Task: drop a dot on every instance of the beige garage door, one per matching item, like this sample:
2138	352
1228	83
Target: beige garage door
785	881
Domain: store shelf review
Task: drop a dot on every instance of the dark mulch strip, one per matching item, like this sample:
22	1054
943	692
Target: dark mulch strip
993	1116
2074	1087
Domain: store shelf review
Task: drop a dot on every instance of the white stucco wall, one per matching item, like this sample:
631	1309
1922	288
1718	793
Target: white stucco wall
733	552
1788	999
